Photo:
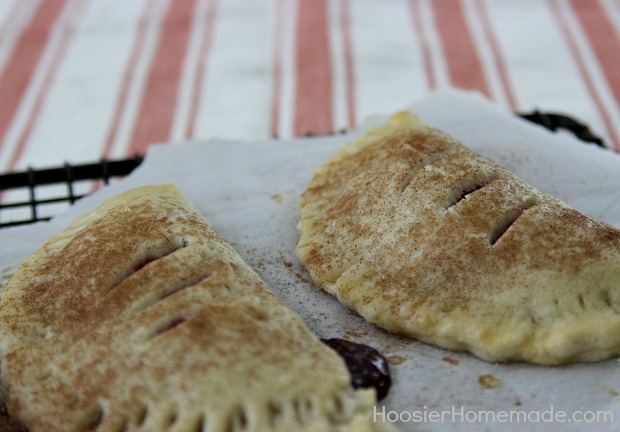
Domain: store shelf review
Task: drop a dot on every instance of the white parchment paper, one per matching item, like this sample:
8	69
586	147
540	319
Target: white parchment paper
249	191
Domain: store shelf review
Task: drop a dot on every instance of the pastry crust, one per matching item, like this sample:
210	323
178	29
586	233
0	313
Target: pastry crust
425	238
139	316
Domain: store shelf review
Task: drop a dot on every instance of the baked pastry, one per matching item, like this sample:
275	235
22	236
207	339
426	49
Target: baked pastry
139	316
426	238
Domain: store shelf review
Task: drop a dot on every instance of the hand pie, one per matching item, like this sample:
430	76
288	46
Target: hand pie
139	316
425	238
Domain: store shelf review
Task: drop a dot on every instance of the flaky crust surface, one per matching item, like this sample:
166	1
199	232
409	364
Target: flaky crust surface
423	237
139	316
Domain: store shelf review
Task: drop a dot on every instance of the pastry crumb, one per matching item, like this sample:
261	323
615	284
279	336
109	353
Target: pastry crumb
489	381
278	197
396	359
611	391
287	263
451	360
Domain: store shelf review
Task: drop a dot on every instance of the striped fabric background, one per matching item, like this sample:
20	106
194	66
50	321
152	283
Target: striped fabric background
84	79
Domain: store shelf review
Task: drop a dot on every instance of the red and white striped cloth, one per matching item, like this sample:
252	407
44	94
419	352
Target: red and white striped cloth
84	79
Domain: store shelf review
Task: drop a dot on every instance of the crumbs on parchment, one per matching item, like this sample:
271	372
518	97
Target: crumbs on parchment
395	359
278	197
489	381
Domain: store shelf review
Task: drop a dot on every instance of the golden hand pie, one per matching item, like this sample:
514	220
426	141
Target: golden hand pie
139	316
425	238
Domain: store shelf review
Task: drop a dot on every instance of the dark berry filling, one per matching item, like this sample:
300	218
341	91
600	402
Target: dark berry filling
368	368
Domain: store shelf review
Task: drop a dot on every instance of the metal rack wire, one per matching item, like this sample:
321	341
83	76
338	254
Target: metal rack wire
20	192
557	121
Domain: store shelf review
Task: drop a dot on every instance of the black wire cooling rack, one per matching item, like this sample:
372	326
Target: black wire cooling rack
36	195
